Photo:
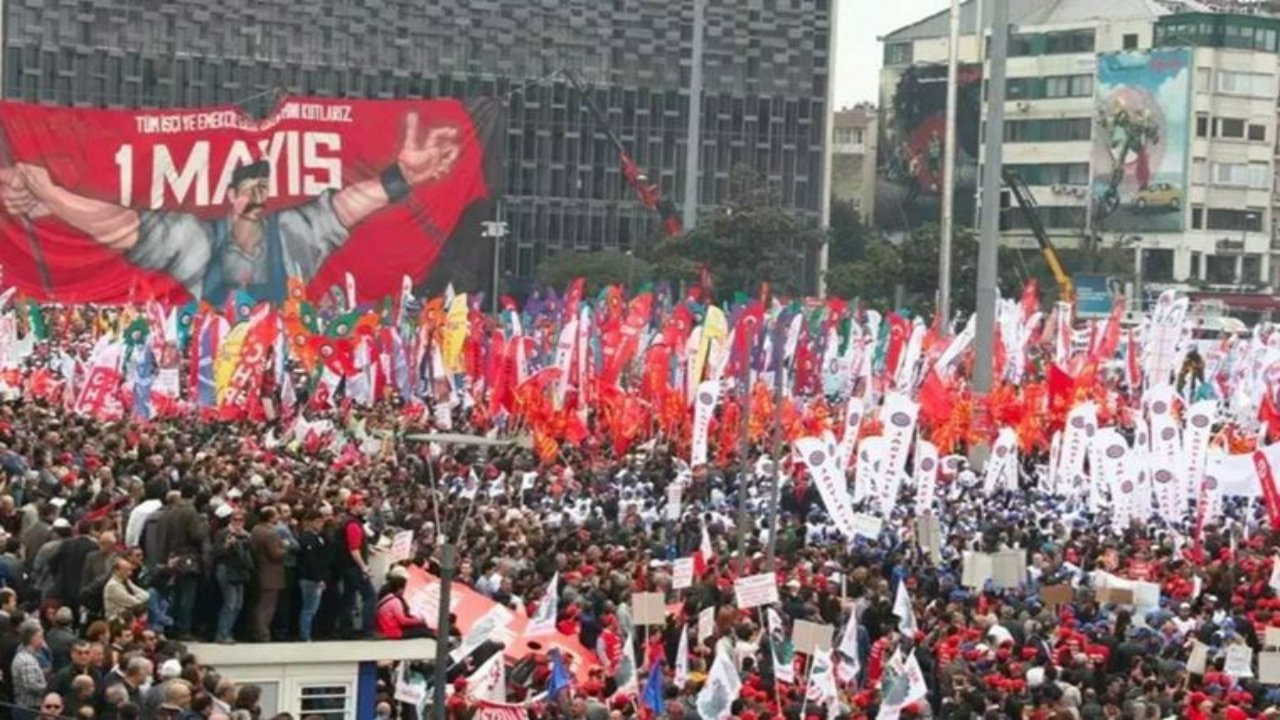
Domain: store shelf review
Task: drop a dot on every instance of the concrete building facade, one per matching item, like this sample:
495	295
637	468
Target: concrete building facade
1055	124
854	158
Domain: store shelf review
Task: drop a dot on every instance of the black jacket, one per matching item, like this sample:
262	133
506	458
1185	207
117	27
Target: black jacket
315	557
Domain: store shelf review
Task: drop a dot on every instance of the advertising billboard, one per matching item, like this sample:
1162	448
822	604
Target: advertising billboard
105	205
913	109
1140	141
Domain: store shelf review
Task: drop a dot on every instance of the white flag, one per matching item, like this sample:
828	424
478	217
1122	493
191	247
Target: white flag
902	610
723	686
780	645
489	682
543	621
849	664
682	660
822	678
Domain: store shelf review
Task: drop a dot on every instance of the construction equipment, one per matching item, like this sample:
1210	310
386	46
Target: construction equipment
1027	206
647	191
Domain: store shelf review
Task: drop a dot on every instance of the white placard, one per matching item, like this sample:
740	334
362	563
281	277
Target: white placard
756	590
706	624
1239	662
868	526
1269	668
1198	659
682	573
401	547
674	492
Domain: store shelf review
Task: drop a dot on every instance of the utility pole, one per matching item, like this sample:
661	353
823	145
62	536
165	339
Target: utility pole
694	129
949	172
988	255
496	230
828	151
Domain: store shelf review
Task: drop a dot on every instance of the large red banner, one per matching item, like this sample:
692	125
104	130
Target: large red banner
108	205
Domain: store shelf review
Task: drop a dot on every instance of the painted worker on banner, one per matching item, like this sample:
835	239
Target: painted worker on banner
249	249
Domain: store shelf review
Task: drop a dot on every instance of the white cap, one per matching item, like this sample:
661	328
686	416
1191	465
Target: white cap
170	669
61	523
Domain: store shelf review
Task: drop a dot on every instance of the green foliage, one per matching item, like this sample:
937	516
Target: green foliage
753	239
598	268
849	235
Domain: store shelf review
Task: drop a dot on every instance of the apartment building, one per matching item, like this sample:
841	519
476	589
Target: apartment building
853	177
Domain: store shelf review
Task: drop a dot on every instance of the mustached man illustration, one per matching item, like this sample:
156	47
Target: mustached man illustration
250	249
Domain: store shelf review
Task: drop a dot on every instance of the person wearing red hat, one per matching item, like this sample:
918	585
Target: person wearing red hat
353	568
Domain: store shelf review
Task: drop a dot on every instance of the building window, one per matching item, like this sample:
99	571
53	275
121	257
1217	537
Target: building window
1257	133
1244	83
1071	41
1157	265
897	53
1130	41
1256	176
1053	173
1058	130
1238	220
1063	86
1251	269
329	702
1228	128
1195	265
1202	126
1197	218
1220	269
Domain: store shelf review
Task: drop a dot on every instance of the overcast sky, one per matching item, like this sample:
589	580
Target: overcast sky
858	53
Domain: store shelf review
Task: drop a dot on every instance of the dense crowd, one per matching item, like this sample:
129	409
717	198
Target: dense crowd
124	541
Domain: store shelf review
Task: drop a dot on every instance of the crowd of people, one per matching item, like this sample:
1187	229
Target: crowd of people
123	542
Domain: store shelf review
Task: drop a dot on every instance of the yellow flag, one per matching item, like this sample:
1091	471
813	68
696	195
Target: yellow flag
228	359
455	333
714	329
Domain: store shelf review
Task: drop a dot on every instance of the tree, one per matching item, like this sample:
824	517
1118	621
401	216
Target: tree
849	235
872	279
597	268
753	239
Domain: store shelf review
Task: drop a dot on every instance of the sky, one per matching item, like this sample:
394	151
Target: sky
859	53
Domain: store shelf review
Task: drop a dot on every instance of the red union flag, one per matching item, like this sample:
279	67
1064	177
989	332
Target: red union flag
205	202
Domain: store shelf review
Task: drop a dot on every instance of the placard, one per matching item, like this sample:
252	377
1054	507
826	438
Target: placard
1115	596
808	637
756	590
1269	668
929	537
1198	658
706	624
401	547
1239	662
976	569
1056	594
674	509
682	573
648	608
868	526
1271	638
1009	568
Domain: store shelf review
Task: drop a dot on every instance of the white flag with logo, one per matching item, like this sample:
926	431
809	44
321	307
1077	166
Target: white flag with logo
849	664
822	678
902	610
682	660
543	621
722	688
489	681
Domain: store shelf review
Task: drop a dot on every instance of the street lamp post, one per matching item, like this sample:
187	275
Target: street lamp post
495	229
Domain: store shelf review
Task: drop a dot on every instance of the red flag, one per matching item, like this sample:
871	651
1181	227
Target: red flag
1270	496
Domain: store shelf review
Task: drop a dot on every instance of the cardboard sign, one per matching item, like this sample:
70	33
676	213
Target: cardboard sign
401	547
1269	668
808	637
1239	662
977	569
868	526
1009	568
929	537
1056	594
706	624
682	573
1198	659
674	508
649	608
756	590
1115	596
1271	638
